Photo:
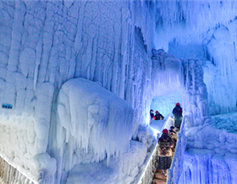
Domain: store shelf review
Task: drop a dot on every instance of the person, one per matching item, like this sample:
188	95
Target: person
152	114
173	136
178	117
158	116
164	152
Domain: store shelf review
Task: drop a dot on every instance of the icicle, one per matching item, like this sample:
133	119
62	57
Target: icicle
193	71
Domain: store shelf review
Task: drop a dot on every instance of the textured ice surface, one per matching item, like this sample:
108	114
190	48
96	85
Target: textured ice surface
206	166
93	124
122	170
43	44
211	148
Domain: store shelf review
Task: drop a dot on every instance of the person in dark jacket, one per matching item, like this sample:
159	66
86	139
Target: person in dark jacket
164	152
152	114
158	116
178	116
173	136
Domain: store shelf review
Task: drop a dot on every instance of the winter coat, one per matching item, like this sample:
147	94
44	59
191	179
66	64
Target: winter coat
165	145
173	136
152	115
178	117
159	116
177	111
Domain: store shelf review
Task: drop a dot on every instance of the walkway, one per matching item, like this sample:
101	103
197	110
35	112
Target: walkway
147	173
159	178
172	173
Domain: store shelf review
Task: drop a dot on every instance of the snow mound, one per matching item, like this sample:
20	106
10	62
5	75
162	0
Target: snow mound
93	123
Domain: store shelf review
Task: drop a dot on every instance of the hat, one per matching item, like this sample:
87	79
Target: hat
177	104
165	131
156	111
172	127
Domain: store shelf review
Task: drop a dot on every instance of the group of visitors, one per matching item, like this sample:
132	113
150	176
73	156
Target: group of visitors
177	113
157	116
167	142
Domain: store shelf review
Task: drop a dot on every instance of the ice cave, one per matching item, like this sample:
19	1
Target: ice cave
78	79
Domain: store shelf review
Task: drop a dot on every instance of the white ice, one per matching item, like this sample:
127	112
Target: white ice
136	55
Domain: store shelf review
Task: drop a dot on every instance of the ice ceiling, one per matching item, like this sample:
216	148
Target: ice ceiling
191	21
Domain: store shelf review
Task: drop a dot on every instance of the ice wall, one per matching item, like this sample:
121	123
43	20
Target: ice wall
22	147
24	128
43	44
211	155
179	20
222	82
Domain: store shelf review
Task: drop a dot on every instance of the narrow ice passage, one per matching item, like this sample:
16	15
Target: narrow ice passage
149	173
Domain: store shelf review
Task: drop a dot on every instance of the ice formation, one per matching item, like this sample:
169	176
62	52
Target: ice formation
119	171
44	44
93	124
221	51
206	36
213	152
137	51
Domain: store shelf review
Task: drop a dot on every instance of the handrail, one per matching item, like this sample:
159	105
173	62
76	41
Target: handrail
180	148
11	174
146	175
148	172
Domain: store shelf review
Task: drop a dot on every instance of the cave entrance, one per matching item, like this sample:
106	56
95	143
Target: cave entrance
165	103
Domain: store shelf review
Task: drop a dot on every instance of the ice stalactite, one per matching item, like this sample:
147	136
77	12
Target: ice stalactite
91	122
195	94
166	73
114	45
185	76
175	17
221	85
